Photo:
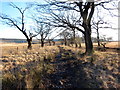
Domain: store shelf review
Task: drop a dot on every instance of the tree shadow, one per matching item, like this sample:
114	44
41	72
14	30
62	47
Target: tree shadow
69	72
22	73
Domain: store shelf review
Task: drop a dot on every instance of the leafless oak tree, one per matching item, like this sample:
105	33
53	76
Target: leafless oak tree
19	24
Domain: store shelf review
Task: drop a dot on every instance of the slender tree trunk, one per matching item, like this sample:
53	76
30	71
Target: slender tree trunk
29	43
49	43
75	41
76	45
65	40
42	43
80	45
53	43
98	39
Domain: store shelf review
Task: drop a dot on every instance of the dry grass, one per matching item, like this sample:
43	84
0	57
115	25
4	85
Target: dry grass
113	44
28	68
110	44
101	66
26	65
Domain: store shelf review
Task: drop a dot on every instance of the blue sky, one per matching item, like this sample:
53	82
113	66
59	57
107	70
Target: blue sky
9	32
5	8
6	31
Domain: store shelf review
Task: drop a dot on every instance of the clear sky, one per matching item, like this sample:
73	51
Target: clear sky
5	30
5	8
9	32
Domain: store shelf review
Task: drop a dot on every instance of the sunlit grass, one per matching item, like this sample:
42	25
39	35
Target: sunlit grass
29	68
27	65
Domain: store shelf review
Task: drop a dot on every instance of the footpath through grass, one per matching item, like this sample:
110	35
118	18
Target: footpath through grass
72	71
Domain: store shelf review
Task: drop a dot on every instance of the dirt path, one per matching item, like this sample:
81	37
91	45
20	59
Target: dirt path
69	71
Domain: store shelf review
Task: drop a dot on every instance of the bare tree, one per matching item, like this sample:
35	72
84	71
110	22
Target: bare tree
105	40
65	35
43	30
73	14
51	39
99	23
76	39
19	24
80	15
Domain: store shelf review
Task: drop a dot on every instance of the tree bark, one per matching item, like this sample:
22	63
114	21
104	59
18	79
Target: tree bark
53	43
42	43
98	39
76	45
80	45
49	43
65	41
75	42
29	43
88	40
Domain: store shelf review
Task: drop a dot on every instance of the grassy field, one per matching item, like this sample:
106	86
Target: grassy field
47	67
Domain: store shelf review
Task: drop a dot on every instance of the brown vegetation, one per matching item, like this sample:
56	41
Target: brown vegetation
44	67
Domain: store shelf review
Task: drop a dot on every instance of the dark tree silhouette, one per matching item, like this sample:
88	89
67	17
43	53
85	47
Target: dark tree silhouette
79	16
20	25
99	23
65	35
43	30
51	39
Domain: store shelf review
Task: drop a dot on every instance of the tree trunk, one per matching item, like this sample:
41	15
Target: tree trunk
88	42
49	43
80	45
76	45
98	39
42	43
53	43
75	42
29	43
65	41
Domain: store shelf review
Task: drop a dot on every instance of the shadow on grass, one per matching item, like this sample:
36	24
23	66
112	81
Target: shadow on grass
68	73
29	75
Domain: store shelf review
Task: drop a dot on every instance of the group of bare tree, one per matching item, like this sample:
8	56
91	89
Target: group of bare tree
71	15
75	15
